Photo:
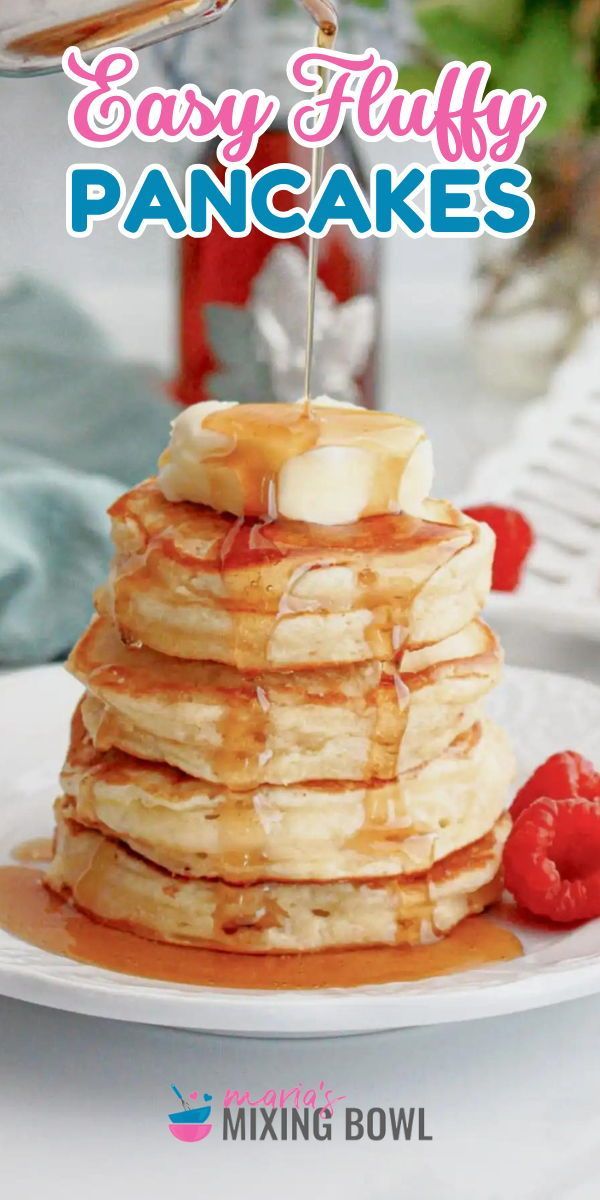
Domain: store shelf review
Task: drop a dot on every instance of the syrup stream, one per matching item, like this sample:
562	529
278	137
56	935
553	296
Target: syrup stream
325	16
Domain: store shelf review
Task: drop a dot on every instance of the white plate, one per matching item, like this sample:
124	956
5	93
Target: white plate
543	713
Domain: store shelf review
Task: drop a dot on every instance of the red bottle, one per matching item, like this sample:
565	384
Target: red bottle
223	355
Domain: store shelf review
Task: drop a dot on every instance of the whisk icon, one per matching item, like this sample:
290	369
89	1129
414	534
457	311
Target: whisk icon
191	1124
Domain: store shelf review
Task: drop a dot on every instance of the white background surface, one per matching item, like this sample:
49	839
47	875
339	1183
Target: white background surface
512	1102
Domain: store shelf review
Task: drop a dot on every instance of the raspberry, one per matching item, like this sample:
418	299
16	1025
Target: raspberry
514	539
560	776
552	859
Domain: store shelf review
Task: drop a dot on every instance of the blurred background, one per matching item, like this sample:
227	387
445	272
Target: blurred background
493	346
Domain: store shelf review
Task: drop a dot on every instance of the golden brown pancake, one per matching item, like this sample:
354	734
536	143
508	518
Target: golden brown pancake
327	830
364	722
257	595
118	887
281	747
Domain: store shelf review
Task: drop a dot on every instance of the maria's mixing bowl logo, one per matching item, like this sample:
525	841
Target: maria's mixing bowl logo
191	1123
297	1113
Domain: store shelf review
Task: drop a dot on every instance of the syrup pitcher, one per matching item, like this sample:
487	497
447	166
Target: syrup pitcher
34	33
244	323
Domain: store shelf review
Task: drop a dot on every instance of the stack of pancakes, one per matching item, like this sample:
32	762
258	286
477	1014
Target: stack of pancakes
282	746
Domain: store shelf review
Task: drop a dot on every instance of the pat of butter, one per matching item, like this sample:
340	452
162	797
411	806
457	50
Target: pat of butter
325	462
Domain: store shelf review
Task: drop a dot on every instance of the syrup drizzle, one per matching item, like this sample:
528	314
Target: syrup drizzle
186	557
262	438
33	914
325	40
245	835
147	705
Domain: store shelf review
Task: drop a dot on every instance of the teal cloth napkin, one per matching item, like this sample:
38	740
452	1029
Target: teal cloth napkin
77	426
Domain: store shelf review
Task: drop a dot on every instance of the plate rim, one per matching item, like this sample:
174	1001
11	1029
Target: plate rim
58	982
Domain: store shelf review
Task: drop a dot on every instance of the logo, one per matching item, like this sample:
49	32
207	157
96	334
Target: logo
293	1114
191	1124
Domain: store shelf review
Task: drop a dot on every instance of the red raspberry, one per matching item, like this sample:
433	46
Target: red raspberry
560	776
552	859
514	539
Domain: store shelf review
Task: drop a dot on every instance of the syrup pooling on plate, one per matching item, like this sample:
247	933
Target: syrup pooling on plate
119	886
30	912
34	850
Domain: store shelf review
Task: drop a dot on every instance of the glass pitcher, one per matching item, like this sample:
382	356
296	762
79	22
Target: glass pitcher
242	302
34	33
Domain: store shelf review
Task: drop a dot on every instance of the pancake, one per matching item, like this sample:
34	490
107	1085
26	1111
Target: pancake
364	722
117	887
299	832
196	584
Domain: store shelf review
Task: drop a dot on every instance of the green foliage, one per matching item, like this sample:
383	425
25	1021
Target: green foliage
548	62
414	77
498	18
551	47
451	35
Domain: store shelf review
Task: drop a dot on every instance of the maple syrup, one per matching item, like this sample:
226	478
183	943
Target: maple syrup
30	912
100	28
241	830
326	19
184	555
264	437
35	850
194	537
121	681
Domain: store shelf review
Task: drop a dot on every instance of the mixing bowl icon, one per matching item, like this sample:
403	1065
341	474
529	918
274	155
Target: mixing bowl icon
190	1132
191	1124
